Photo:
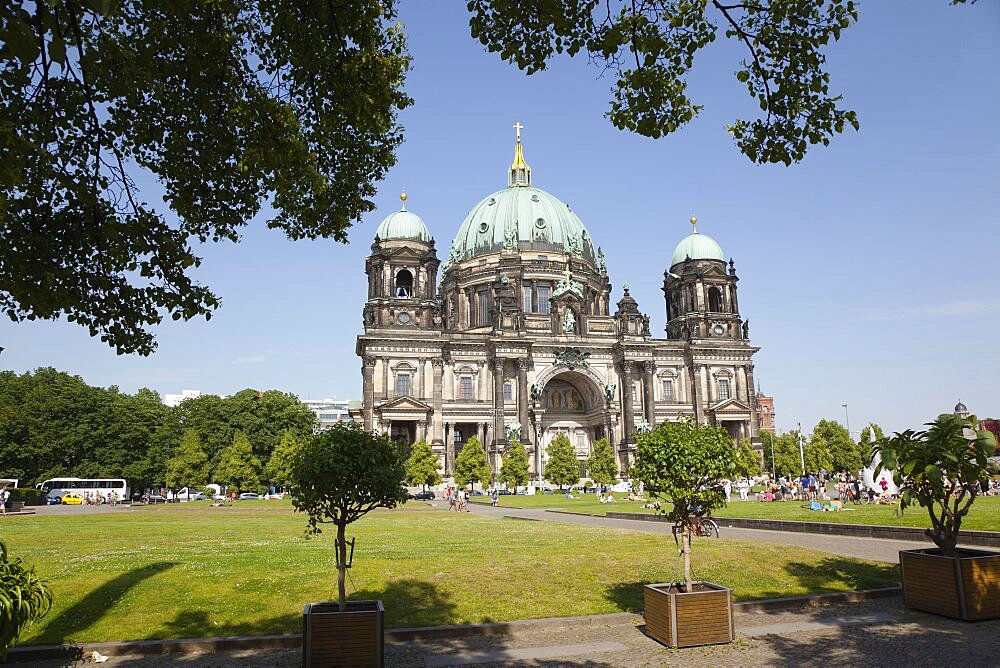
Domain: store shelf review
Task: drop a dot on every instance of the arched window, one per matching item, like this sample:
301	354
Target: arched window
404	284
714	300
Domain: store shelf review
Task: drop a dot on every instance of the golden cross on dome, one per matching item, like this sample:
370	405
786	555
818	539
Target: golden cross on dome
518	127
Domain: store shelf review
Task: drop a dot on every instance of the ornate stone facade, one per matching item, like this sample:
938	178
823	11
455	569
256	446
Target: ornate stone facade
519	337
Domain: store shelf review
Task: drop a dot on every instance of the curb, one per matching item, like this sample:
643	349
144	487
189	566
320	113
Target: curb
35	653
983	538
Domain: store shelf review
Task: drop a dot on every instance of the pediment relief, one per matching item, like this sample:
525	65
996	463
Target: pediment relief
730	406
404	405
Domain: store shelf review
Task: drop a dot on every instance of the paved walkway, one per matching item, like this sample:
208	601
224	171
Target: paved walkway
876	633
848	546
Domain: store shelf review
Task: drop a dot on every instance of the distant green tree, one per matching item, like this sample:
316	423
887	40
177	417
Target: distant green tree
238	467
747	459
471	465
817	454
514	470
422	466
844	452
785	448
870	435
563	468
189	465
601	465
278	470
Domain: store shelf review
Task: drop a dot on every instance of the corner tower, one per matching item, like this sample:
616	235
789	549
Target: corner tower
402	274
700	293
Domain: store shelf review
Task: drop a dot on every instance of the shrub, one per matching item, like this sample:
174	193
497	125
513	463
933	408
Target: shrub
29	495
24	599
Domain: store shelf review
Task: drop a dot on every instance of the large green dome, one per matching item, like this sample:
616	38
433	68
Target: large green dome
523	218
697	246
403	224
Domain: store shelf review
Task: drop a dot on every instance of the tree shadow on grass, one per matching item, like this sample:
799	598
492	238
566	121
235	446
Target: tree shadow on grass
95	605
197	624
839	574
412	602
627	596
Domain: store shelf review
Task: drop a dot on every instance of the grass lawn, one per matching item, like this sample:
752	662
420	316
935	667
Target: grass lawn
194	570
984	515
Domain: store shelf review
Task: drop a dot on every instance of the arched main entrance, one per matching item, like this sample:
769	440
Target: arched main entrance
570	403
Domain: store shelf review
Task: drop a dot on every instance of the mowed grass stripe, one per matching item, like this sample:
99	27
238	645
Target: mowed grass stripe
193	570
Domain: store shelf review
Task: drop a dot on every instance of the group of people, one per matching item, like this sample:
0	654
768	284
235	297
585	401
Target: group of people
458	499
98	499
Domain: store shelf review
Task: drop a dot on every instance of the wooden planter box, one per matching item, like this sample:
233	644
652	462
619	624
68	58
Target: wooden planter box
680	619
965	587
350	638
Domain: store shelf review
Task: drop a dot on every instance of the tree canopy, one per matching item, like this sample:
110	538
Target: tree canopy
238	468
422	465
342	474
601	465
471	465
685	463
278	470
189	465
845	454
781	453
650	48
562	468
514	470
226	106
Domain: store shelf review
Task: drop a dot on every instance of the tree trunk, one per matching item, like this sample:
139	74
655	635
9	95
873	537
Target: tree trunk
686	549
341	547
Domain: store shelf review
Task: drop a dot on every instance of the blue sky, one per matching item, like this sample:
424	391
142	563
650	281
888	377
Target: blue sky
869	271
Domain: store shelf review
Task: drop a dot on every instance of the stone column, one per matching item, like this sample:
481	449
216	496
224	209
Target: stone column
628	417
647	391
449	449
385	378
421	430
752	400
696	393
421	372
499	432
481	382
481	432
741	384
368	388
522	400
438	365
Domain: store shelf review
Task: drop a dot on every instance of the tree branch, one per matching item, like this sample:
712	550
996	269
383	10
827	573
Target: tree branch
745	38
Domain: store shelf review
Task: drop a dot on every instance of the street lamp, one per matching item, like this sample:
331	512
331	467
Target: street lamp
802	456
538	450
847	419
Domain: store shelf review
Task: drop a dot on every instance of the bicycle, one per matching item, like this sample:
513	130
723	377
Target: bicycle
858	498
704	527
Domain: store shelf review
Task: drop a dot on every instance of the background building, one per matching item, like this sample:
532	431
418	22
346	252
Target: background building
329	411
520	335
765	411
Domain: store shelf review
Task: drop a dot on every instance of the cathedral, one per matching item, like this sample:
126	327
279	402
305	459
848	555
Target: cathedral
515	334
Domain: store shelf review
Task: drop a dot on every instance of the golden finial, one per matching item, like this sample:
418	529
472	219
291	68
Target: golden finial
402	198
520	172
694	221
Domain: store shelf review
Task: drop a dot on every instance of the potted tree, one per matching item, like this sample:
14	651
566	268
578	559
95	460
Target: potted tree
24	599
940	469
339	475
684	463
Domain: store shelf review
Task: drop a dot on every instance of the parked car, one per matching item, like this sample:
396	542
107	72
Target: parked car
249	496
156	498
72	499
197	496
423	496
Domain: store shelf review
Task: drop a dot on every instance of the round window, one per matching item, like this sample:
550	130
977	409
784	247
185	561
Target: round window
534	198
484	227
540	223
403	318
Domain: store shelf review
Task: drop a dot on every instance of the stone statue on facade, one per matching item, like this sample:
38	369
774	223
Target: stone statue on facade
536	392
609	392
510	239
513	430
600	260
746	329
643	427
569	321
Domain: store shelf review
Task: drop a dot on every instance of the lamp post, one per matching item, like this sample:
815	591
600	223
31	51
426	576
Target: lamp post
538	451
802	456
499	440
774	474
847	419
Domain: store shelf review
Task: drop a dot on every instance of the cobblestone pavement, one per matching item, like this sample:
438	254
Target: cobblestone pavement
877	633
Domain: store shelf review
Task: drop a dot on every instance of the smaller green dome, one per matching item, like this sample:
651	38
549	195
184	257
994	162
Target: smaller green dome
403	224
697	247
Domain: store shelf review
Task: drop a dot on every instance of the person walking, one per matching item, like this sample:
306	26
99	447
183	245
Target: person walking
4	495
